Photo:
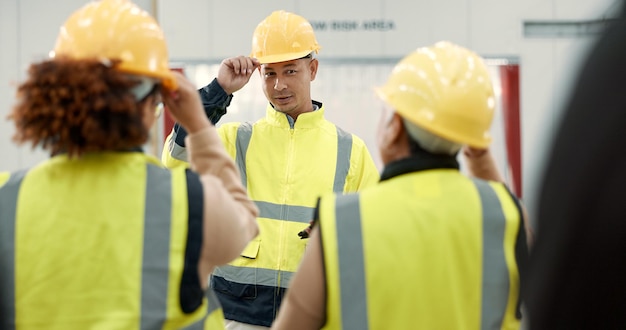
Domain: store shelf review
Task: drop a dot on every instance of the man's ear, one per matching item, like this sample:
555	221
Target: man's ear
394	142
313	68
397	130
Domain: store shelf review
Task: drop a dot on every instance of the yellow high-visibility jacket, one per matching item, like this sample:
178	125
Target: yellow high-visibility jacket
102	242
428	249
285	170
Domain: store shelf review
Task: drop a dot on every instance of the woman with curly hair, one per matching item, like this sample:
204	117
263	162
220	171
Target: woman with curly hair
101	235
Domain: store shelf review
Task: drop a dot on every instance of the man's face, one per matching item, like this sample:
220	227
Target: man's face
287	85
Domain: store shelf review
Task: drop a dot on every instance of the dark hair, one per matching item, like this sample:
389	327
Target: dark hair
78	106
309	56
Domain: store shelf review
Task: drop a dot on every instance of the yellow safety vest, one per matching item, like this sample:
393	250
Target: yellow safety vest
285	170
425	250
96	243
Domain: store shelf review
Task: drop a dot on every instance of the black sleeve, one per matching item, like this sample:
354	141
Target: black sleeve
191	292
215	101
318	225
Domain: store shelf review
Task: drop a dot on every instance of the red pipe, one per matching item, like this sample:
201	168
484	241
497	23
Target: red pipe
509	75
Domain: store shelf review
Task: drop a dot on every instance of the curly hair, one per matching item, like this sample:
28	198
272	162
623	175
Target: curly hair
78	106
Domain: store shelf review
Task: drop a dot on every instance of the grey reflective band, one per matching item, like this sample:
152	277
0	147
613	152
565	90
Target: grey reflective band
176	151
198	325
344	152
294	213
351	262
259	276
214	303
494	294
156	247
244	134
8	210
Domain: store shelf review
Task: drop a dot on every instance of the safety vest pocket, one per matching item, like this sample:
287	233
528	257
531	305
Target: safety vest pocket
252	249
226	288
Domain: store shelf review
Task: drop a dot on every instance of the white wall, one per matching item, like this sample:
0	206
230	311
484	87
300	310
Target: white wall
206	31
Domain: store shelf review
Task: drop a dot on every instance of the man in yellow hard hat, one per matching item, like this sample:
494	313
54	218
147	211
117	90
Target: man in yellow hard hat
286	160
101	235
428	247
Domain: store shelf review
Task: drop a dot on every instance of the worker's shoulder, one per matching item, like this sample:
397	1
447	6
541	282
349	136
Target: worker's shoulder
4	177
17	176
233	126
356	140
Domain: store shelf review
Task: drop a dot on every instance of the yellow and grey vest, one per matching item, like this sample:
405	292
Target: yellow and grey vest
285	169
98	243
425	250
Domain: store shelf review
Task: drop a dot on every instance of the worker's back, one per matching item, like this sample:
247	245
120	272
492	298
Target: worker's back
87	243
429	248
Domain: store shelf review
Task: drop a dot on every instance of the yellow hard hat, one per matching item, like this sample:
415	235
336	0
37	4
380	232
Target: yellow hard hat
283	36
117	29
446	90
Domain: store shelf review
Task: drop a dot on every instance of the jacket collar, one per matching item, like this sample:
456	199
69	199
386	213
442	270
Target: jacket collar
305	120
418	162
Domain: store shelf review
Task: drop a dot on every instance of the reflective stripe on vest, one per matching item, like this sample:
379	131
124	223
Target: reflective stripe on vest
344	152
351	264
8	205
493	306
213	302
156	248
176	151
244	134
214	318
155	262
251	275
352	281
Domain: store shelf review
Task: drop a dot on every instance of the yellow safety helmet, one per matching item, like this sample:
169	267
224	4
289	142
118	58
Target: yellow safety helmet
446	90
283	36
117	29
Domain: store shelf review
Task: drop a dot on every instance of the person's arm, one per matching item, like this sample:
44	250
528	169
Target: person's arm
363	170
215	102
480	164
233	74
304	306
229	216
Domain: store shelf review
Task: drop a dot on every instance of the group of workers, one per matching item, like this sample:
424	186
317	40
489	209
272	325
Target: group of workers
283	223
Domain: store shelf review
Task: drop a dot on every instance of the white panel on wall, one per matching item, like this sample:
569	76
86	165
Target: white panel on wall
550	69
424	23
9	72
39	25
187	25
584	9
346	28
536	9
495	34
414	27
233	23
450	21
